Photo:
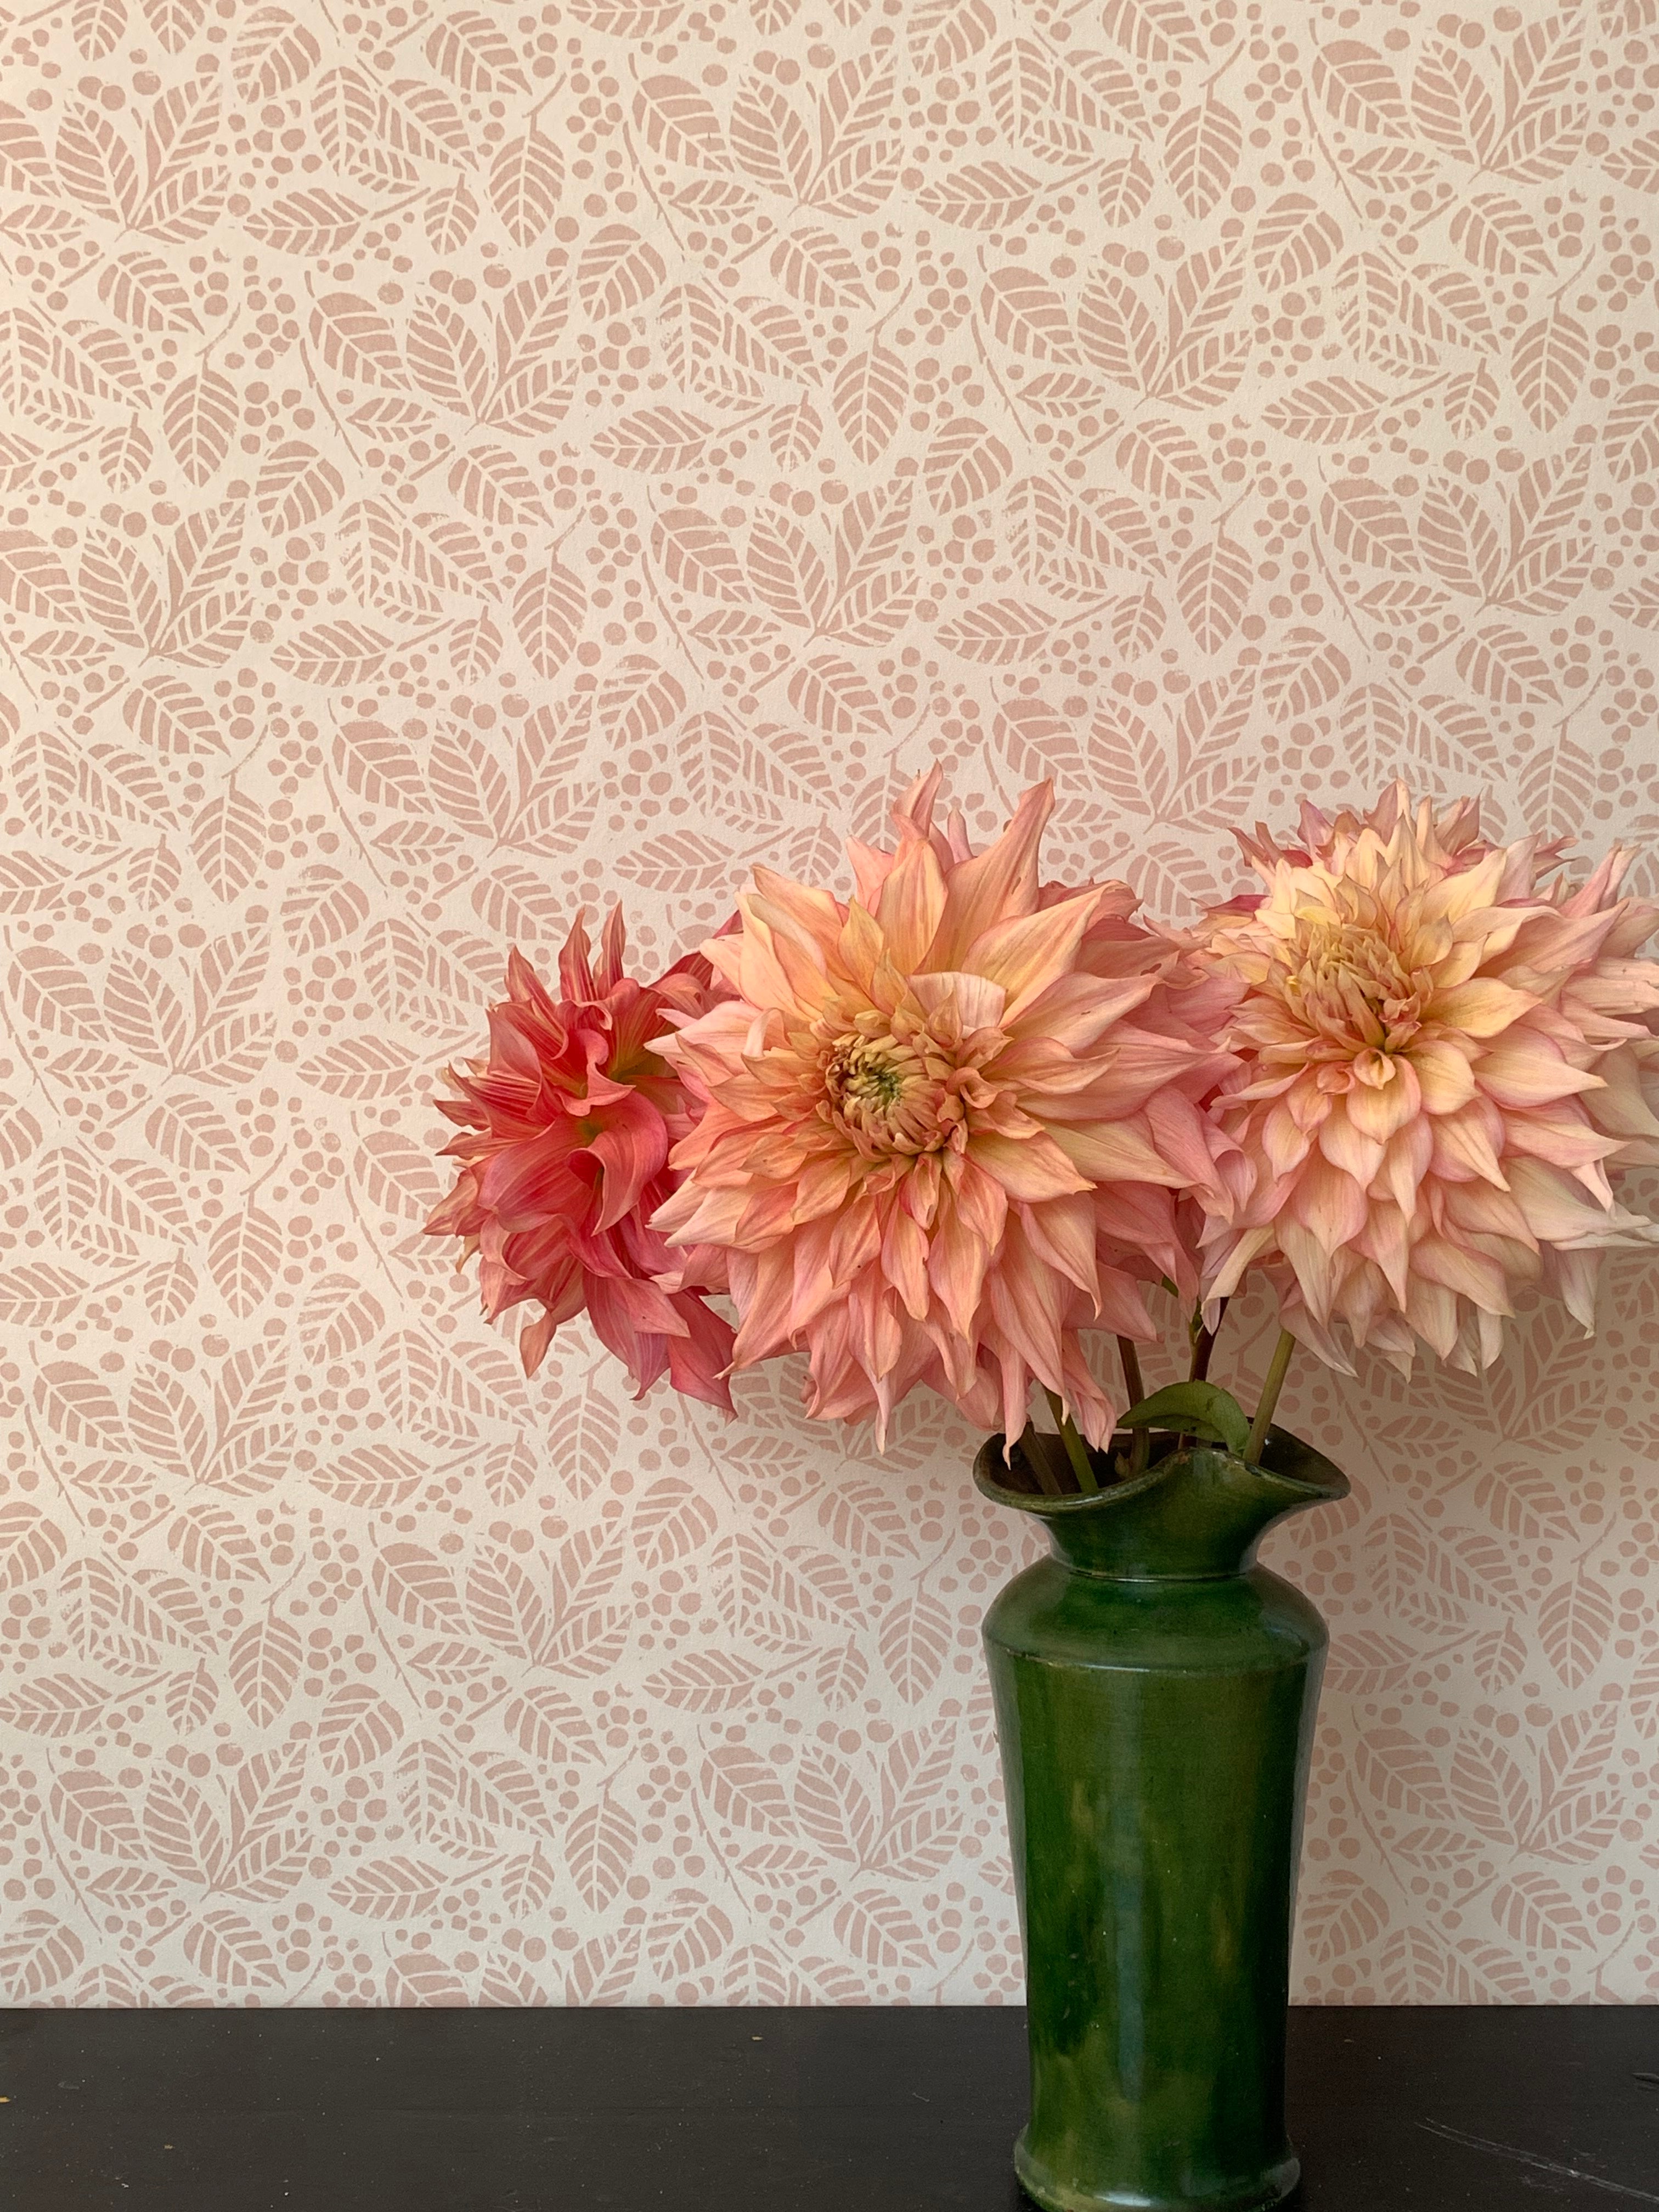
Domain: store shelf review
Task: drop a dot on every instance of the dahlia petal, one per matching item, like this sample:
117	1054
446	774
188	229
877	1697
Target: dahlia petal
1028	1169
1284	1143
1027	1313
1110	1152
904	1261
751	961
1347	1147
1463	1148
642	1350
1576	1275
977	1002
1532	1073
770	1210
860	950
1406	1163
1380	1113
1181	1137
1328	1203
1600	885
1481	1008
575	971
1558	1214
1123	1309
1462	1269
822	1186
762	1288
1061	1231
1028	952
1443	1074
1562	1138
1622	1107
813	917
1306	1328
855	1238
1431	1310
1233	1260
698	1362
957	1263
911	903
1469	891
1310	1261
648	1309
1386	1241
999	882
1364	1298
534	1337
631	1148
1480	1209
1076	1011
870	867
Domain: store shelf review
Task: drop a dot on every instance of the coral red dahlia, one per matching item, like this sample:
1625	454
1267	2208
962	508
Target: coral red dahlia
567	1128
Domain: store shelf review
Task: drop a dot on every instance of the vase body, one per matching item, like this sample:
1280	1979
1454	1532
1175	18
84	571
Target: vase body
1155	1697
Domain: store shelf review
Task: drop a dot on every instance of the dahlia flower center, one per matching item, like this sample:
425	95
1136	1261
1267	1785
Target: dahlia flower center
1349	984
886	1093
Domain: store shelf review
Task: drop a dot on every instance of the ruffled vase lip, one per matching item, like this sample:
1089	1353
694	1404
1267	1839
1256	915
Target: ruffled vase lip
1296	1469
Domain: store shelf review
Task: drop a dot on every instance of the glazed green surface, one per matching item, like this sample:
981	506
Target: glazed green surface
1155	1697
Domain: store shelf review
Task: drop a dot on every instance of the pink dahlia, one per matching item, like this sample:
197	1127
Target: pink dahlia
1457	832
934	1145
564	1158
1442	1059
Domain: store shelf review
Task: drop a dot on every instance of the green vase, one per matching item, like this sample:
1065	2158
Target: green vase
1155	1696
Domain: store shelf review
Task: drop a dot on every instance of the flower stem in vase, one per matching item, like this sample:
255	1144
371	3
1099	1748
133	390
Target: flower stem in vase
1204	1342
1035	1443
1278	1368
1076	1451
1131	1359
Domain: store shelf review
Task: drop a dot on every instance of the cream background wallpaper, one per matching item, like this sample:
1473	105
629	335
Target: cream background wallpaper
462	463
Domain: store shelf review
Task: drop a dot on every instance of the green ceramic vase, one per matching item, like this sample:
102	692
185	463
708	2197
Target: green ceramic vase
1155	1696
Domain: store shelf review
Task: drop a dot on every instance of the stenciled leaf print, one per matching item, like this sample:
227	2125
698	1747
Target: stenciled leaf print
464	475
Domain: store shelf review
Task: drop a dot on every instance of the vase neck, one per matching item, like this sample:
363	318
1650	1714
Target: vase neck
1196	1516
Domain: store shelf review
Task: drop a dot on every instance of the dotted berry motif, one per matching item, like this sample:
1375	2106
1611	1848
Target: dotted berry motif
461	464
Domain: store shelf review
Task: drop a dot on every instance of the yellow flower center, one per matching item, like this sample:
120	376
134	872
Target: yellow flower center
1348	983
890	1093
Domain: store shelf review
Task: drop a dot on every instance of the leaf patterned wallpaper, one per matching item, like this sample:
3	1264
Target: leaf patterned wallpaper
462	463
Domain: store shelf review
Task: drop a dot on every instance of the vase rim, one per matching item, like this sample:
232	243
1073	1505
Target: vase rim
1319	1481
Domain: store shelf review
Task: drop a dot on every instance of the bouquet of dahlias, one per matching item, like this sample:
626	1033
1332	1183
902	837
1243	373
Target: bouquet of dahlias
939	1133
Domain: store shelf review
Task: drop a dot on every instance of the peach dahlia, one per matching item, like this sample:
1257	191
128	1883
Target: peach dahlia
935	1142
1441	1058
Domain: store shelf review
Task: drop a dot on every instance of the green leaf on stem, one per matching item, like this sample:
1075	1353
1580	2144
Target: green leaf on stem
1199	1409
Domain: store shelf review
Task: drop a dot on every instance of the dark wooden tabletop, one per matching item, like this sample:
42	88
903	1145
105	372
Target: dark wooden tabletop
854	2111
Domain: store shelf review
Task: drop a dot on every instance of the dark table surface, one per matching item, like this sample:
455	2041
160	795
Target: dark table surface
1392	2111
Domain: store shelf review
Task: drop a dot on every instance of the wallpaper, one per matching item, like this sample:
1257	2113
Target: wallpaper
462	465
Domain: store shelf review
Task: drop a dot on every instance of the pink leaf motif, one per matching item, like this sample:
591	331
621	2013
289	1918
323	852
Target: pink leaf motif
1343	1915
687	1934
388	1889
1540	1914
1575	1622
599	1848
37	1952
879	1928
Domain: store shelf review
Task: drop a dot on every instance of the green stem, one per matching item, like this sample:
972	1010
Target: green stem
1035	1446
1131	1359
1076	1451
1278	1368
1204	1343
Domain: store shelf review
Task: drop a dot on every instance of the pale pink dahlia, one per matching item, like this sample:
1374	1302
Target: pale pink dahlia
1441	1058
566	1131
933	1145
